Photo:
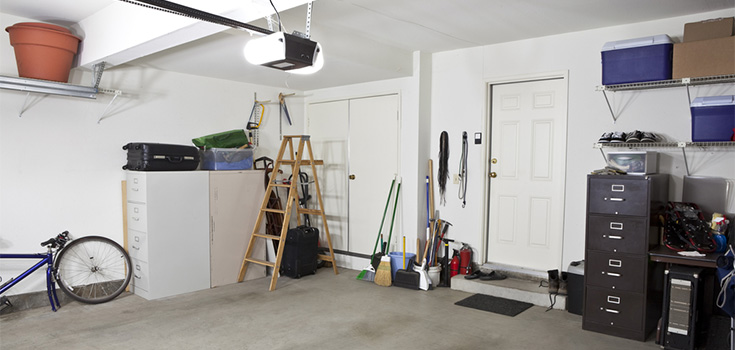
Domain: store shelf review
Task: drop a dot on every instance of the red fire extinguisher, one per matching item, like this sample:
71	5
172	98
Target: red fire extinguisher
465	260
454	265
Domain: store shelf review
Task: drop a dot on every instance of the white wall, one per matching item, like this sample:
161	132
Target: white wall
459	103
61	170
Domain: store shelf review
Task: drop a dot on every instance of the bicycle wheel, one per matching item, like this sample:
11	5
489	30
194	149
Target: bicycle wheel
93	269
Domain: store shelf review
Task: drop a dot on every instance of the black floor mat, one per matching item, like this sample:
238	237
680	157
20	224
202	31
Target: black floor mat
494	304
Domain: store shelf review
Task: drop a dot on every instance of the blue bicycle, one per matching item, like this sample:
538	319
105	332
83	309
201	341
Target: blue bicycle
90	269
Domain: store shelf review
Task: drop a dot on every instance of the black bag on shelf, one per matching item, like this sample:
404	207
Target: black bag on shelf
300	252
161	157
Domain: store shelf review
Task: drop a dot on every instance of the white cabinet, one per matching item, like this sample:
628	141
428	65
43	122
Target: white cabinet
188	230
234	201
168	226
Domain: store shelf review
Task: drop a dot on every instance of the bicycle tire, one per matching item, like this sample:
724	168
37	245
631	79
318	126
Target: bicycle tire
93	269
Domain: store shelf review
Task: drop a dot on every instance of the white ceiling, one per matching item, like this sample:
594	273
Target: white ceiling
368	40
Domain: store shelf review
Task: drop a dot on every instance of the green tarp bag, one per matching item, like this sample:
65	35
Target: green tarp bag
227	139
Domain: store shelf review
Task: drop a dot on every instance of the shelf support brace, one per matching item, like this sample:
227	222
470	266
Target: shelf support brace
25	103
102	116
683	146
615	119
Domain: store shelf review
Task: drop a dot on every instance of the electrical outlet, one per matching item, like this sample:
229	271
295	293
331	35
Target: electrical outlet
456	179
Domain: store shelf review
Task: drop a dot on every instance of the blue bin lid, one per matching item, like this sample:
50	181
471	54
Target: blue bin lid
710	101
637	42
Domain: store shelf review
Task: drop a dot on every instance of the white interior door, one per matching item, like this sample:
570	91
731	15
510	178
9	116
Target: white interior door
357	138
528	156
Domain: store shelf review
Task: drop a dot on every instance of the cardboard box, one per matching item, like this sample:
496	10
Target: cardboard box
709	29
637	60
704	58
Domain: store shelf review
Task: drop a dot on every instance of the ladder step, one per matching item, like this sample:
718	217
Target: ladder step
309	211
303	162
279	211
279	185
325	257
260	262
267	236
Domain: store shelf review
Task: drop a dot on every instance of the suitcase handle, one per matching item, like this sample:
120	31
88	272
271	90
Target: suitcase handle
175	159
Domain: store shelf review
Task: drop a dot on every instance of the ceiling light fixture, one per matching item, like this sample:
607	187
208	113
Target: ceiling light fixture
288	52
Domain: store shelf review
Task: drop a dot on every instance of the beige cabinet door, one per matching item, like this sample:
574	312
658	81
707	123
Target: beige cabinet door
235	198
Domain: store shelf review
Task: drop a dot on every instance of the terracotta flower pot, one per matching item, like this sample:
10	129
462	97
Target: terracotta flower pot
43	51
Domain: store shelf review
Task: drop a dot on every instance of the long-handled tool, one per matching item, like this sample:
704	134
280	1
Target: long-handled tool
383	275
405	277
368	273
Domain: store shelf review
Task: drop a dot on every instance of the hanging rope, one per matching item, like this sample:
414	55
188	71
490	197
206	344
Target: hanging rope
443	174
463	171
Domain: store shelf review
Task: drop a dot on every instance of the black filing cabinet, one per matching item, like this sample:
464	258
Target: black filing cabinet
623	288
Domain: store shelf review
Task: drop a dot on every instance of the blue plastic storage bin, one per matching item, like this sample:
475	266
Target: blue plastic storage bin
713	118
396	261
227	159
637	60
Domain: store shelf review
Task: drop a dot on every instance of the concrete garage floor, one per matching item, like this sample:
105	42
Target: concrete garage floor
324	311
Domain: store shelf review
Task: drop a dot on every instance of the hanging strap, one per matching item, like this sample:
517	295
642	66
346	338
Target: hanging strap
463	171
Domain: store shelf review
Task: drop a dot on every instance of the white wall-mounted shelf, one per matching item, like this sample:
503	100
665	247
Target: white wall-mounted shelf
58	88
662	84
683	145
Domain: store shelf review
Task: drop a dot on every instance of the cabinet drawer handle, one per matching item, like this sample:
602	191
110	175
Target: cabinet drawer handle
613	300
612	311
617	188
616	226
616	199
136	219
136	276
136	248
134	189
613	274
615	237
614	263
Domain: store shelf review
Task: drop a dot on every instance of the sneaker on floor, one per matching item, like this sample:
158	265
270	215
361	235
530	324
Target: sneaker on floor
649	137
605	138
617	136
634	136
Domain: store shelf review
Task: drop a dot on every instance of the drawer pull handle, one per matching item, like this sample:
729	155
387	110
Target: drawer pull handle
616	225
616	199
617	188
613	300
135	247
138	277
134	189
612	311
136	219
613	274
615	237
615	263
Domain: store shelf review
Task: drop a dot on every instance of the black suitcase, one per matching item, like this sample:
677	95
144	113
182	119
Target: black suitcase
161	157
300	252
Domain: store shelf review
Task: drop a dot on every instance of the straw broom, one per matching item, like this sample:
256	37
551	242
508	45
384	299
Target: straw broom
368	273
383	275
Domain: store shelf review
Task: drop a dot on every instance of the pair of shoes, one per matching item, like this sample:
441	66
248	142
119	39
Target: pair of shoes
649	137
557	282
475	275
633	136
493	276
615	136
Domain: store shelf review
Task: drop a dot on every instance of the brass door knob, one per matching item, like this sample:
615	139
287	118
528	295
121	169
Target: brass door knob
352	176
493	175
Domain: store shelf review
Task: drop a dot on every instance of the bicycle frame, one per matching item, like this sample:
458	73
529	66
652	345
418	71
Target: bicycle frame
44	259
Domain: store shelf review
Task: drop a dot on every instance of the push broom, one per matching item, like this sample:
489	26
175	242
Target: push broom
368	273
383	275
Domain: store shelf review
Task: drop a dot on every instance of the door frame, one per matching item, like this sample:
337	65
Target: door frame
486	126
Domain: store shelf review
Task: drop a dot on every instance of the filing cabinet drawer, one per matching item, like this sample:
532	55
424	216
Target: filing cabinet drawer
618	196
137	217
136	186
138	245
614	308
616	271
618	234
141	277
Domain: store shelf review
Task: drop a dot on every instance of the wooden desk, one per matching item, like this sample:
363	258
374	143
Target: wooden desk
665	255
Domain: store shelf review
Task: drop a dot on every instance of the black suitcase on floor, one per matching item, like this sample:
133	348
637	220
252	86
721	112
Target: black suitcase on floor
300	252
161	157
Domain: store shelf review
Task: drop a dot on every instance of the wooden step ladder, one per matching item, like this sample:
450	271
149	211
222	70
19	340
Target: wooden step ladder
296	160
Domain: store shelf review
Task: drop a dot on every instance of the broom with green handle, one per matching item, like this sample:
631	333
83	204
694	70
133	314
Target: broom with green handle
368	273
383	275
